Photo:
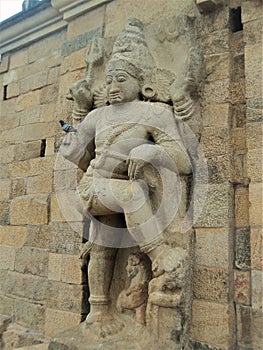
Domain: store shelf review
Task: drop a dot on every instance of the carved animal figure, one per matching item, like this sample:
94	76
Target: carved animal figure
136	295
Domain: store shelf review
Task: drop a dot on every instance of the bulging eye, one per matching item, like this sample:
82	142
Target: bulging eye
108	80
121	78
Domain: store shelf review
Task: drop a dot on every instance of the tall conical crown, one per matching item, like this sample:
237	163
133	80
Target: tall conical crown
130	51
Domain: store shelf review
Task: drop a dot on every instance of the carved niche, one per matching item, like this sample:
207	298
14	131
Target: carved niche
138	122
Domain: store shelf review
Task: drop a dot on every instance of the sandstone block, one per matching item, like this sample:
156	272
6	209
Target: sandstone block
65	180
64	239
257	289
63	208
58	321
244	325
254	135
74	61
217	91
7	154
39	184
29	315
6	305
53	75
64	296
216	115
4	170
33	82
51	45
242	287
32	260
257	327
49	94
39	131
26	286
256	242
217	209
29	210
41	165
30	99
71	271
47	113
238	67
238	91
216	20
238	139
13	122
3	276
251	10
255	165
215	43
215	141
220	169
241	206
50	146
19	59
17	336
4	64
13	90
242	248
11	136
211	247
8	107
12	235
217	66
17	187
254	111
5	189
27	150
255	209
4	213
213	324
7	257
29	116
54	267
253	71
38	236
239	115
211	284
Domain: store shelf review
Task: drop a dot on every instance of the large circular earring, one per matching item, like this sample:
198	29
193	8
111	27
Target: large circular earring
148	91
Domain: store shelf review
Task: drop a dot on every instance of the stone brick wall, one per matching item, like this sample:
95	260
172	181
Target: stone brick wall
42	287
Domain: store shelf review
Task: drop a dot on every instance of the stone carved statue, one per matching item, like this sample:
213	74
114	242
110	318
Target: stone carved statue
136	295
133	156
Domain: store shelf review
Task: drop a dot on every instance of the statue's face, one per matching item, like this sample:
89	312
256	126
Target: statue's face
121	87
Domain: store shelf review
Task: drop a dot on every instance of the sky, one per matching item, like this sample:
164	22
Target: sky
9	8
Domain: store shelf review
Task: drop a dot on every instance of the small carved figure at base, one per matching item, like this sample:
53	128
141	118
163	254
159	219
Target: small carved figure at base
135	296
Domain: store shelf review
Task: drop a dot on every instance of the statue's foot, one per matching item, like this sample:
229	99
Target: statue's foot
104	323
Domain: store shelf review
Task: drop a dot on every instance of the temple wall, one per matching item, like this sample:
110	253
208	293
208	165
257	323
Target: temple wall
42	287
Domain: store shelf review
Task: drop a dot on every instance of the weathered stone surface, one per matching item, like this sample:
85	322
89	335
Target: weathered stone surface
242	248
7	155
29	315
241	206
238	115
32	167
49	94
32	260
217	211
61	208
63	239
40	184
253	71
39	131
211	247
256	242
29	210
6	305
33	82
58	321
251	10
254	165
18	59
254	110
242	287
26	286
27	150
217	91
216	115
257	289
244	326
217	66
38	236
211	284
4	213
70	269
5	189
17	187
54	267
13	122
7	257
255	209
212	324
215	141
257	326
12	235
64	296
30	99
